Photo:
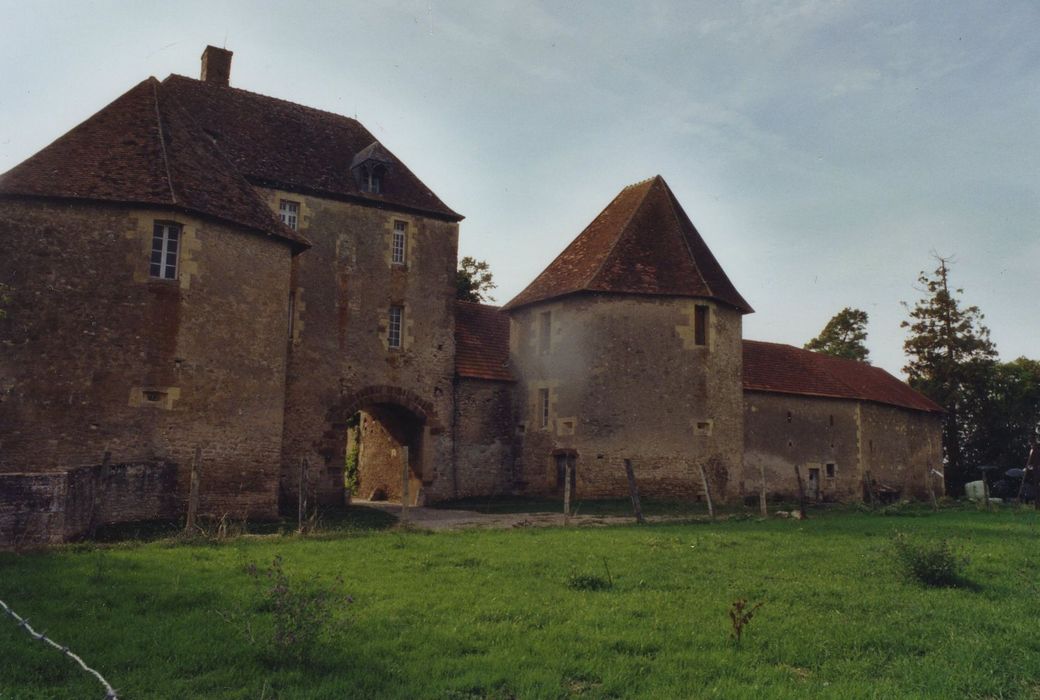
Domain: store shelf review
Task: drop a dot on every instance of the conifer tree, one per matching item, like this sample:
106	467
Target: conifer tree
843	336
950	360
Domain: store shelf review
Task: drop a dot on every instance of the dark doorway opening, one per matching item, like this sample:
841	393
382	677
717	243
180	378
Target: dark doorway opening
375	453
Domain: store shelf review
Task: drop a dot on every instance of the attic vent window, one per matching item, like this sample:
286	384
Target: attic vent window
290	213
165	243
372	179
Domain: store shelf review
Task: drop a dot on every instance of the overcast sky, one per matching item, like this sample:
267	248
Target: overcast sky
824	150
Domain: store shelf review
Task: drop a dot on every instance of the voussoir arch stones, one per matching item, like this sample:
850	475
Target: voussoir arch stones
336	419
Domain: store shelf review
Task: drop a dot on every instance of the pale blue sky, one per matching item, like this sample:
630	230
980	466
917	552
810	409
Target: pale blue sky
823	149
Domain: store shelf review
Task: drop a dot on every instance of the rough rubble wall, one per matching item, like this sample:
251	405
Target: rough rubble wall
625	379
343	289
50	507
98	356
484	437
385	431
782	430
901	447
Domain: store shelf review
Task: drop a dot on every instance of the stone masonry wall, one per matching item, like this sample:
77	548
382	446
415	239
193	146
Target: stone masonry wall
626	380
901	447
98	356
51	507
782	430
343	289
484	438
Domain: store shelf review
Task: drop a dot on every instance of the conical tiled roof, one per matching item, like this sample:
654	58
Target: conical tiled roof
144	149
642	243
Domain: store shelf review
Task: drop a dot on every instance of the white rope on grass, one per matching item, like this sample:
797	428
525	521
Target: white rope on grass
23	622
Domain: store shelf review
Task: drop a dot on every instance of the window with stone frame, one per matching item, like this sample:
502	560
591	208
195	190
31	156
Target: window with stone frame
290	213
372	179
166	239
399	248
701	316
393	331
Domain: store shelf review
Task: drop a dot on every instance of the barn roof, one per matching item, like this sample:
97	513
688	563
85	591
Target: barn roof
144	149
785	369
481	342
641	243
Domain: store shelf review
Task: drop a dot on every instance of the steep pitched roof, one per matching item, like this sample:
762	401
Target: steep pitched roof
641	243
481	342
143	149
785	369
286	145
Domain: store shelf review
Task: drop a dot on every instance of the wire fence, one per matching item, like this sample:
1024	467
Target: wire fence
110	693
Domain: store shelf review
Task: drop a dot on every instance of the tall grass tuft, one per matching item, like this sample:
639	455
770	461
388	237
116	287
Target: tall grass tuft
934	563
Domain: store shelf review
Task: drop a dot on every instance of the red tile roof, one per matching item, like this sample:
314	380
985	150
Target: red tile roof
785	369
481	342
143	149
289	146
641	243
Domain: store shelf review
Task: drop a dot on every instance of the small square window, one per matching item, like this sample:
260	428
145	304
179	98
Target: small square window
393	333
399	248
165	244
703	427
290	213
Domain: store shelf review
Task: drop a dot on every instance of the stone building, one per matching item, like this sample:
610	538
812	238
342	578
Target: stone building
204	275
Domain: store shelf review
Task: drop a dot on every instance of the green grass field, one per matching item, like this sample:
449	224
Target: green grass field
494	614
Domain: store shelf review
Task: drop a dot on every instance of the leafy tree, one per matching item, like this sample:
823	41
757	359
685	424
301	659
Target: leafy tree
950	360
1006	412
473	280
843	336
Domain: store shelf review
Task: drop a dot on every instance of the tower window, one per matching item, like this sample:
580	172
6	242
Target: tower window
543	402
290	213
700	325
399	247
165	244
393	333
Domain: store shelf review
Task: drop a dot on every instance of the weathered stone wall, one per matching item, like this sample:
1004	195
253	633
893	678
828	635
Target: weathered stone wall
782	430
343	289
385	431
900	447
98	356
50	507
484	437
626	380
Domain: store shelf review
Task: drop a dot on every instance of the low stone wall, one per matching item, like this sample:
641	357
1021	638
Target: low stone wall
51	507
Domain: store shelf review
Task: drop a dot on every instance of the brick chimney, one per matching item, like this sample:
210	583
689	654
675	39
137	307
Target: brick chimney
216	66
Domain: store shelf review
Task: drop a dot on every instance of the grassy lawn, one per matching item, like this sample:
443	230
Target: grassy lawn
495	614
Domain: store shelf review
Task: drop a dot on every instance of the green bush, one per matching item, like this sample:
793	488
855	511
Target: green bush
929	563
588	582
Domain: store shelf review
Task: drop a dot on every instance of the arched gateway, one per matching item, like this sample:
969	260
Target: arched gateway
381	420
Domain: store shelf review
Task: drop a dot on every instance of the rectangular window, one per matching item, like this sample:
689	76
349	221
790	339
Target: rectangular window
700	325
165	243
543	403
393	333
830	471
290	212
544	331
397	254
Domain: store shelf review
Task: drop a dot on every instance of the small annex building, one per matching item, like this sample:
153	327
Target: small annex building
202	277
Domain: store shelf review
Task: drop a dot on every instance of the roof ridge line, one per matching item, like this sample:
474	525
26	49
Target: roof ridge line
162	140
689	250
624	227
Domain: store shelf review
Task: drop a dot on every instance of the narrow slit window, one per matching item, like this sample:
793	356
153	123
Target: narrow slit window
543	403
165	244
393	333
397	255
545	331
290	213
700	325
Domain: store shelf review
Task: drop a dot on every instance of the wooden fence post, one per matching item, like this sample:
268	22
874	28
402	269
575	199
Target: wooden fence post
193	493
707	491
404	484
633	492
868	484
566	491
931	488
763	506
801	492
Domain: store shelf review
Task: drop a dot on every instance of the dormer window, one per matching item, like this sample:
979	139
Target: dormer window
372	179
290	213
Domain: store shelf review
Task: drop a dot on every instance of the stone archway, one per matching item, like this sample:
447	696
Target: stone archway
391	418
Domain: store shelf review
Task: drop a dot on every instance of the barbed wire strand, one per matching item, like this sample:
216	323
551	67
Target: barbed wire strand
23	622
